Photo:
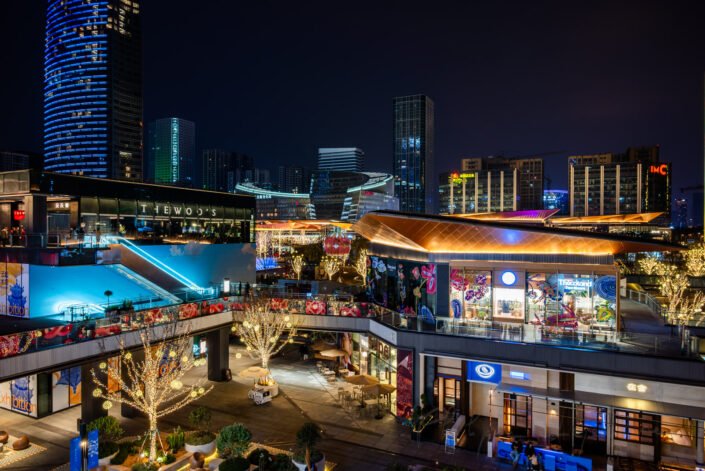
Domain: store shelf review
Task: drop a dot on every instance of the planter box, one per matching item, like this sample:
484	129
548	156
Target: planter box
207	449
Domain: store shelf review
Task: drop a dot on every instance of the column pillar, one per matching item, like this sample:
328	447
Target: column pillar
91	407
125	410
218	344
699	445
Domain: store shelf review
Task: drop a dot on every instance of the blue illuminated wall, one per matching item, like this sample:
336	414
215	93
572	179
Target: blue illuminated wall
53	289
207	264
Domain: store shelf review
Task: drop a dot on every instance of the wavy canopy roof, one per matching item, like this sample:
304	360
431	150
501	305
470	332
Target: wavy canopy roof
447	234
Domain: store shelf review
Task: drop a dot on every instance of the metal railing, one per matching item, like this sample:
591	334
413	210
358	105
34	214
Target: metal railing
642	297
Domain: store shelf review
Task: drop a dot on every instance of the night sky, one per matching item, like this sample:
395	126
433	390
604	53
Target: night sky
276	80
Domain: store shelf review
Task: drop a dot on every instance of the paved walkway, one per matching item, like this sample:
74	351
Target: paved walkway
353	443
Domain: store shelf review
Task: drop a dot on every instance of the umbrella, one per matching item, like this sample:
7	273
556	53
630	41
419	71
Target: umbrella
379	389
362	380
334	353
321	345
254	372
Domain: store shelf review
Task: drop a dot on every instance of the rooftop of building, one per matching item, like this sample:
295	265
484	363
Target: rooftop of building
451	234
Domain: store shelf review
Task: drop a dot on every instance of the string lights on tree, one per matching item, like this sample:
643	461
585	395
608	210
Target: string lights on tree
297	264
261	331
330	265
361	266
154	386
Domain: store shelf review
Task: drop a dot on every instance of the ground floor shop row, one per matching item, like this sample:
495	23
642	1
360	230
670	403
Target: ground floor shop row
42	394
574	413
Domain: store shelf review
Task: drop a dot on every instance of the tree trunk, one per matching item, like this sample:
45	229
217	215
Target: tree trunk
265	361
153	439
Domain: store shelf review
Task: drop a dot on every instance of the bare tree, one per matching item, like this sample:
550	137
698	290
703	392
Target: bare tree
154	385
261	331
650	265
297	264
695	260
331	265
361	265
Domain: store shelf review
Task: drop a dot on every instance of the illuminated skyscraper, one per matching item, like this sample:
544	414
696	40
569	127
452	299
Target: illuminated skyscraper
172	151
93	88
414	182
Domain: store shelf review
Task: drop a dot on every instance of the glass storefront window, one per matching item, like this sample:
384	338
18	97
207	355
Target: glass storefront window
508	305
471	294
677	431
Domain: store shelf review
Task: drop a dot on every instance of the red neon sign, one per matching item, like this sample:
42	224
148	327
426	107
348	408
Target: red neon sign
18	214
659	169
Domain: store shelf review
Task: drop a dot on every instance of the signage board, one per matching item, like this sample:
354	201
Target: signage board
484	372
75	452
18	214
450	441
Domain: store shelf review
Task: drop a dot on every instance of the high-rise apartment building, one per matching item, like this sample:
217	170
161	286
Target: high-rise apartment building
17	160
491	184
222	170
93	89
293	179
635	181
413	167
341	159
172	151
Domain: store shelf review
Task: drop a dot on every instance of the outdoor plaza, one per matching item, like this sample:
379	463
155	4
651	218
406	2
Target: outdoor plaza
353	438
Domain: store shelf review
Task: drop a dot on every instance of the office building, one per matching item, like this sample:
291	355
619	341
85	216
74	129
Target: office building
293	179
93	89
17	160
680	213
341	159
413	164
491	184
172	151
277	205
632	182
222	170
557	199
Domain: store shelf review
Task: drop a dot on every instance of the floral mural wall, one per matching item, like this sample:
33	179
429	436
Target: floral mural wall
407	287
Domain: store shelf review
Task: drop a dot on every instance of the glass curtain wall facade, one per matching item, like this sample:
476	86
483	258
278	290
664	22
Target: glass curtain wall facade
414	183
172	151
93	89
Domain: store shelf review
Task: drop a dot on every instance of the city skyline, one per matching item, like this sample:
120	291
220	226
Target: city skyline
478	114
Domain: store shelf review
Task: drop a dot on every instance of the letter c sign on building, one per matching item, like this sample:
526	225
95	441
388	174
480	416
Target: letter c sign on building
659	169
483	372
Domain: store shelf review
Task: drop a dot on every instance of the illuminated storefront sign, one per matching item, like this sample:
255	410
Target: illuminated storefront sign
509	278
484	372
575	283
177	210
18	214
659	169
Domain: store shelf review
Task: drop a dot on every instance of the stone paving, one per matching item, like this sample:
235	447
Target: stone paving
351	441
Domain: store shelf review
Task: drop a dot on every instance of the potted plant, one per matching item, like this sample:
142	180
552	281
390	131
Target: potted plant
260	458
109	432
201	439
233	441
282	462
307	457
176	440
236	463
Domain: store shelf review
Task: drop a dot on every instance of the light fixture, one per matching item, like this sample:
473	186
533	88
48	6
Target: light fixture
508	278
633	387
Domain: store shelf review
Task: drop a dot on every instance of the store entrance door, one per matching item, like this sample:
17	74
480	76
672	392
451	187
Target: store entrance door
591	429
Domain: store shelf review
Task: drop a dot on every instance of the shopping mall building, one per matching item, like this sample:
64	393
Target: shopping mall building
515	331
85	260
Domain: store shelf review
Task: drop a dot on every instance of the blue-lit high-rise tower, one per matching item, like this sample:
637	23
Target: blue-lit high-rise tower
414	181
93	88
172	152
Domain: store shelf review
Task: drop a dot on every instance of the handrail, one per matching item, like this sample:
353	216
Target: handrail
642	297
593	339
